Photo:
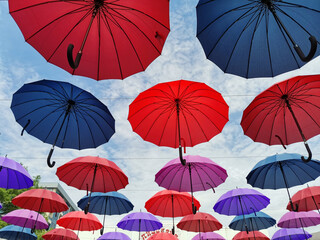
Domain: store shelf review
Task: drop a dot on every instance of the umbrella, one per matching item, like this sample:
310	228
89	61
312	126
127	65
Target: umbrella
12	232
163	236
283	171
170	203
94	173
306	199
254	222
115	39
291	234
63	115
139	221
285	113
299	219
251	235
198	174
13	175
25	218
208	236
258	38
111	203
172	113
114	235
60	234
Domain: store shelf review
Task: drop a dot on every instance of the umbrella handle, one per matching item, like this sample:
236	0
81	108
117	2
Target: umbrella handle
24	128
101	231
49	158
312	51
309	152
73	64
173	231
194	208
183	161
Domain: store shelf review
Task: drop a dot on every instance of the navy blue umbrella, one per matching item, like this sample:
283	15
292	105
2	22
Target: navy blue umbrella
283	171
259	38
110	203
63	115
12	232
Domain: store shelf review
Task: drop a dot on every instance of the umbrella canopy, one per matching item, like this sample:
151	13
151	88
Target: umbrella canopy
114	235
251	235
115	39
306	199
254	222
299	219
111	203
283	171
13	175
208	236
78	220
25	218
285	113
12	232
163	236
199	222
258	38
291	234
164	114
63	115
60	234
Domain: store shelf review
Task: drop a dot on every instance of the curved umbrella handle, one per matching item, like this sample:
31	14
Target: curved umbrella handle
309	152
73	64
194	208
25	126
312	51
101	231
183	161
277	136
295	209
51	165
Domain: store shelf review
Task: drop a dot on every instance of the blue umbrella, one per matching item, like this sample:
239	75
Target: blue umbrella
283	171
63	115
12	232
259	38
110	203
254	221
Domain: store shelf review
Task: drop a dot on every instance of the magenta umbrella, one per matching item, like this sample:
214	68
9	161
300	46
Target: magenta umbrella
199	174
299	219
208	236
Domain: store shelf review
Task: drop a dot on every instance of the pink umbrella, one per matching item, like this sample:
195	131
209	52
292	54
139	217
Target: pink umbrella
163	236
208	236
299	219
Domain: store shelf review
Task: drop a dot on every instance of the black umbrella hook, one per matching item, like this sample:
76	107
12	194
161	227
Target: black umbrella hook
182	160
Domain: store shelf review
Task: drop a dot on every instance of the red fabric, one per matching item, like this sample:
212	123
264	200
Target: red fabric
78	220
161	204
40	200
268	116
79	173
203	113
163	236
60	234
308	199
251	235
204	221
125	37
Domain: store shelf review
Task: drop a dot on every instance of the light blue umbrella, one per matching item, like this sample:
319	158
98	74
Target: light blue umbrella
12	232
254	221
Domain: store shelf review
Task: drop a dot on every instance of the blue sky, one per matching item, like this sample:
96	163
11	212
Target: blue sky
182	58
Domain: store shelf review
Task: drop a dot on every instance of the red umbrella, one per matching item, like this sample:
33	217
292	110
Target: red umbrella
178	113
251	235
285	113
94	173
115	38
163	236
60	234
307	199
169	203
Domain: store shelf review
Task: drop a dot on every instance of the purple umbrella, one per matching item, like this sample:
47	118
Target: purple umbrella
208	236
140	221
25	218
114	235
290	234
13	175
199	174
299	219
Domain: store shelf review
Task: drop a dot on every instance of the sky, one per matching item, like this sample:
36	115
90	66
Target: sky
182	58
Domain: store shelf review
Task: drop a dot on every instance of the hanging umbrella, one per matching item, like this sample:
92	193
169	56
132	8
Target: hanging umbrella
111	203
140	221
254	222
170	203
12	232
251	235
13	175
283	171
114	235
115	39
285	113
25	218
261	38
63	115
198	174
92	173
208	236
60	234
178	113
291	234
163	236
299	219
306	199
